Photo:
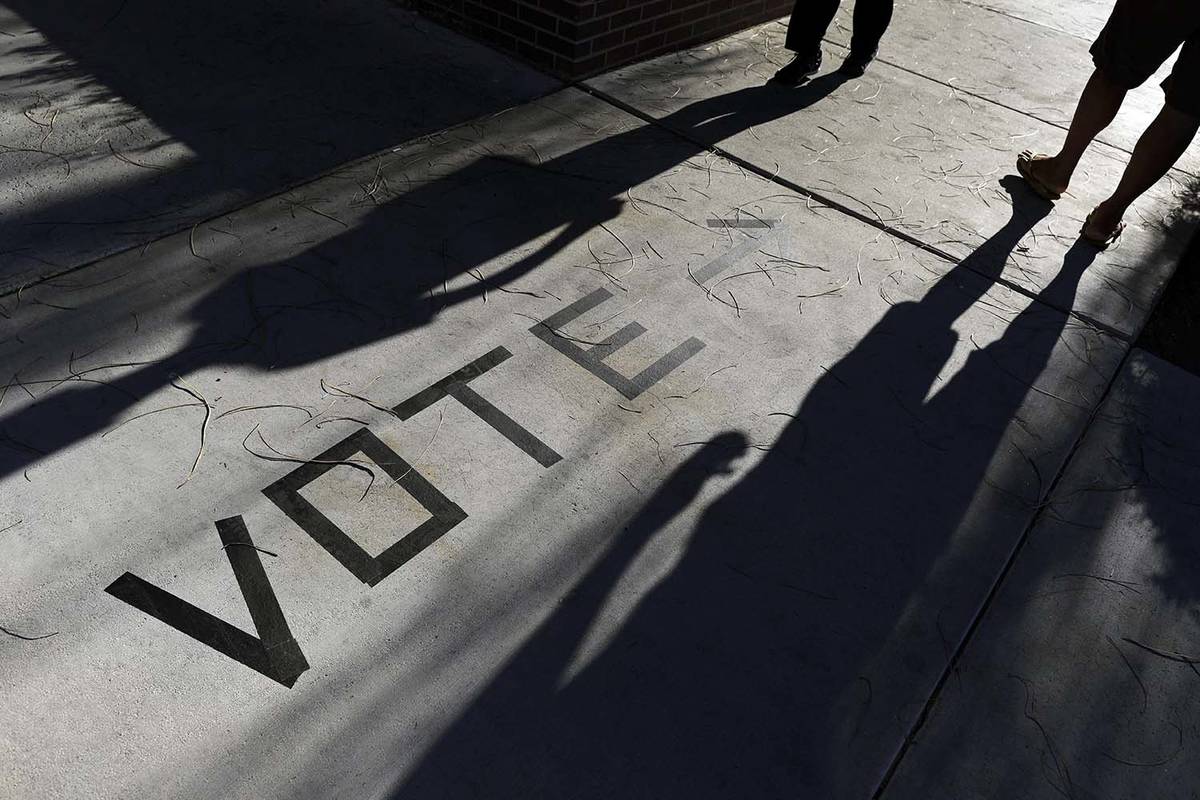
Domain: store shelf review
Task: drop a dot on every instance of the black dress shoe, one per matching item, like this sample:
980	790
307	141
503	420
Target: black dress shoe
856	64
799	70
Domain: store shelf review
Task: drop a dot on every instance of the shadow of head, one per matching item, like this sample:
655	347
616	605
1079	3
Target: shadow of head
719	455
1025	202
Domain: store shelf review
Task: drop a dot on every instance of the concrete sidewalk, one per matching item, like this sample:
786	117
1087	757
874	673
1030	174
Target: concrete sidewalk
669	435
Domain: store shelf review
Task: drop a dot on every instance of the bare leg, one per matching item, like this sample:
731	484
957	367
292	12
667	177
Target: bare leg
1156	152
1099	103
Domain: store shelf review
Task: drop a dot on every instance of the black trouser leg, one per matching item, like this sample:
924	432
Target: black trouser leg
871	18
810	19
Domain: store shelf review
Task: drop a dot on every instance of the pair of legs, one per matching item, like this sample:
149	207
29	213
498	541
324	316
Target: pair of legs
1156	152
1136	41
810	19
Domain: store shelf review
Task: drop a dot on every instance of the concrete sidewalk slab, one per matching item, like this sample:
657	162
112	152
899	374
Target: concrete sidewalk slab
126	121
1084	17
1027	62
763	524
908	153
1078	682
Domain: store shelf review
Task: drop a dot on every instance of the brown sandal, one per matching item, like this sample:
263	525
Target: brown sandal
1101	242
1025	163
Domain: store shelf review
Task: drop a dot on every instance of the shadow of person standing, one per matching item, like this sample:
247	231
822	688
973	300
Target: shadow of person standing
389	274
738	675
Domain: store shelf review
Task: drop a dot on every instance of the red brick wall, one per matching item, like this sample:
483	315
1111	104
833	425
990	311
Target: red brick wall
577	38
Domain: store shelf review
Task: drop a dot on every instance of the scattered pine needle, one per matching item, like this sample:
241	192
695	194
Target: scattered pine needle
1123	584
1159	762
657	447
283	457
184	386
831	133
192	243
243	409
429	444
146	414
130	161
305	205
555	331
339	392
701	386
16	635
341	419
247	544
1179	657
614	316
827	292
1132	671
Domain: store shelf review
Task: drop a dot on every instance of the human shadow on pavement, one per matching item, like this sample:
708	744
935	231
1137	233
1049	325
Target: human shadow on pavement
742	673
389	275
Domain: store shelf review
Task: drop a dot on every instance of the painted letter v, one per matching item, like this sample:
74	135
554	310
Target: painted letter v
274	653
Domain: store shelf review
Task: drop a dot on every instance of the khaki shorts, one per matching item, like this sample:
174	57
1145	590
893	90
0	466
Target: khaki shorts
1141	35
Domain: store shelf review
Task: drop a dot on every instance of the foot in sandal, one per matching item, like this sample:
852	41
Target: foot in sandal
1103	227
1042	174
